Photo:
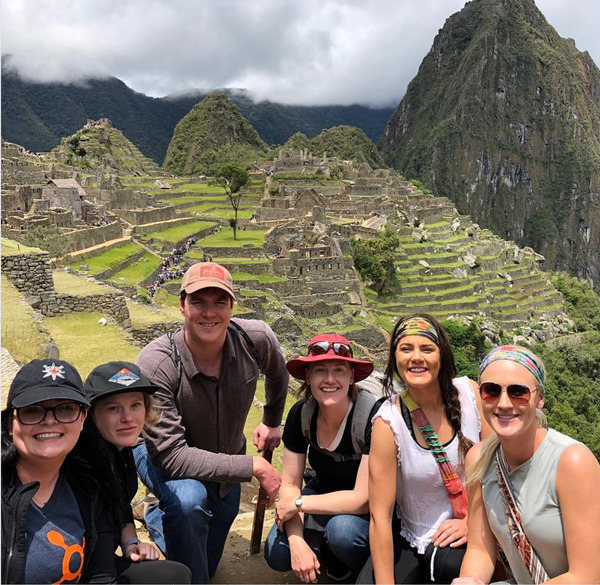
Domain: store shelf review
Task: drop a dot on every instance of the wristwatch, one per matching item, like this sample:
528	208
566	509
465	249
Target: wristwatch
298	503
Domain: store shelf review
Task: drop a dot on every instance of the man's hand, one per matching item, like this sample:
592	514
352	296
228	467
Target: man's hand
265	437
267	476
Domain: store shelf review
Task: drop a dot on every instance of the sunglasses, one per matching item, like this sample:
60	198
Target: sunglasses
322	347
34	414
518	393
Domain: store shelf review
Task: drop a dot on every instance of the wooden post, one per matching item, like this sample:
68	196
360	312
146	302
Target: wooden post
259	513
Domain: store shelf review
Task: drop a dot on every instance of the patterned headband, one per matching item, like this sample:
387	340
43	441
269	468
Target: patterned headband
417	326
519	355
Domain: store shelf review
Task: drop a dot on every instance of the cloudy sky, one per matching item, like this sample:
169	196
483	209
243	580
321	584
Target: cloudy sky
290	51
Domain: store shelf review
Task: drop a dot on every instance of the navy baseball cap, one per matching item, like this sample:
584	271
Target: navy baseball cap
48	379
116	378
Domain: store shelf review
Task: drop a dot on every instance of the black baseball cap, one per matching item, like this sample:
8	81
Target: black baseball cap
116	378
41	380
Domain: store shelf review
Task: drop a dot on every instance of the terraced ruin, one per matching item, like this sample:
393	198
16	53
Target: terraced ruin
292	261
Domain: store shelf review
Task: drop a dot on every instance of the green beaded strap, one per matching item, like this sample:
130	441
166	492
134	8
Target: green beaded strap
456	492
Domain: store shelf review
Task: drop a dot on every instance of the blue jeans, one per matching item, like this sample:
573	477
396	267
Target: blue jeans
345	535
191	522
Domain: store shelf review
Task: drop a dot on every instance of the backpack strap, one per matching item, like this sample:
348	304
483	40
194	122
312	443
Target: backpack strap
177	360
233	327
364	410
366	407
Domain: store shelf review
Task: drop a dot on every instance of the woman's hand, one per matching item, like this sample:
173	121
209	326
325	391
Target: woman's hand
304	561
451	532
467	581
142	551
284	511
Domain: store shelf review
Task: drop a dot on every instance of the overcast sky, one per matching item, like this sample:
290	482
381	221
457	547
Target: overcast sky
290	51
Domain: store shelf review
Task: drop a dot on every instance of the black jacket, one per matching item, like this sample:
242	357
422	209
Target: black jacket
16	497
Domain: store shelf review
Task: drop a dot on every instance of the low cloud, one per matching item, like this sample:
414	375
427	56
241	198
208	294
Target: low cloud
310	52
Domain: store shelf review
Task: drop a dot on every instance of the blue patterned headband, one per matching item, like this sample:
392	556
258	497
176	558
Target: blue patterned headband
417	326
516	354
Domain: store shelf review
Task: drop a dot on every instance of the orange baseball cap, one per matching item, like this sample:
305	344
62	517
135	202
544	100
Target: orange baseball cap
207	275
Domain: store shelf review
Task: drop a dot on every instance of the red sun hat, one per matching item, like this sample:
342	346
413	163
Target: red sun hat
327	344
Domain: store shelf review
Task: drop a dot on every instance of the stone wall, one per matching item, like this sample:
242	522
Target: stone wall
142	337
142	230
142	216
31	274
112	304
92	236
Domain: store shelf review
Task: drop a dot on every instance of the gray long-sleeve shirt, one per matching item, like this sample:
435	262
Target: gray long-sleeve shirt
201	432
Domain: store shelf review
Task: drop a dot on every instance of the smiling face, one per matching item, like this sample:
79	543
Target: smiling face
511	418
48	440
207	313
418	360
329	381
120	418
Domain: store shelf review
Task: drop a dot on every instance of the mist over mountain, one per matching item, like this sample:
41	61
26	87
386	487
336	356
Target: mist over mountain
38	115
503	118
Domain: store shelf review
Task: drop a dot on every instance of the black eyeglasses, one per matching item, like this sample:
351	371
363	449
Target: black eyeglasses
322	347
518	393
67	412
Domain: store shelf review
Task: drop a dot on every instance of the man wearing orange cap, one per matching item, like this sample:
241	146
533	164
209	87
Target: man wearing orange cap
194	459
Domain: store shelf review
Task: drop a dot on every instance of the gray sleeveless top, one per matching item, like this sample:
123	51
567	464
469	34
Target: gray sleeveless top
534	487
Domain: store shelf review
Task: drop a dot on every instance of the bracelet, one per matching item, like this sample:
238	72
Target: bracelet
129	543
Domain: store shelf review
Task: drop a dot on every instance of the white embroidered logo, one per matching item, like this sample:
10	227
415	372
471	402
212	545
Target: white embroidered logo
54	371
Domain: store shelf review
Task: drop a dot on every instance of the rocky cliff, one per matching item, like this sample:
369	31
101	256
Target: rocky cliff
503	118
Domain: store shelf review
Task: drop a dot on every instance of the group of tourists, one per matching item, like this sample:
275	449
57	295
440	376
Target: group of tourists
411	475
170	269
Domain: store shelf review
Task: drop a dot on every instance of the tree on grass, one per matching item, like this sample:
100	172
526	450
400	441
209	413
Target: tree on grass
232	179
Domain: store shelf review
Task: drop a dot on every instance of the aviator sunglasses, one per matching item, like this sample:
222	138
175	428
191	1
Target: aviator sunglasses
322	347
518	393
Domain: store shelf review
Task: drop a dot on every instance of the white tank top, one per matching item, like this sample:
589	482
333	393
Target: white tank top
420	492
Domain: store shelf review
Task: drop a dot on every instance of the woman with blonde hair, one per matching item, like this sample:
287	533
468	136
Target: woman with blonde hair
420	439
121	405
532	490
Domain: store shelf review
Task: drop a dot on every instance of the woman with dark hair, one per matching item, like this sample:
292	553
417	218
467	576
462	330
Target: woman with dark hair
532	490
326	522
121	405
420	439
54	527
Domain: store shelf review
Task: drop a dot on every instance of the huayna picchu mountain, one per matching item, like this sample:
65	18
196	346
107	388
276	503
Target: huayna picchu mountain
503	118
212	134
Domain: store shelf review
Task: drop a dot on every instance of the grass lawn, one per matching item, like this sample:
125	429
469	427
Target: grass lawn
107	259
264	278
190	188
137	270
70	284
255	417
142	316
10	248
227	212
85	344
179	232
224	238
232	260
20	335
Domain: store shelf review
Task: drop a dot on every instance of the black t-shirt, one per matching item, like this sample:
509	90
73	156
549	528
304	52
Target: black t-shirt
331	475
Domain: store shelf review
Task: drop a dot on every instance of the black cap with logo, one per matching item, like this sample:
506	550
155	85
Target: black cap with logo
116	378
41	380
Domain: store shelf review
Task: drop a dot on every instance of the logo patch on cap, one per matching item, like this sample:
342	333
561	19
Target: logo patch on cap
54	371
124	377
